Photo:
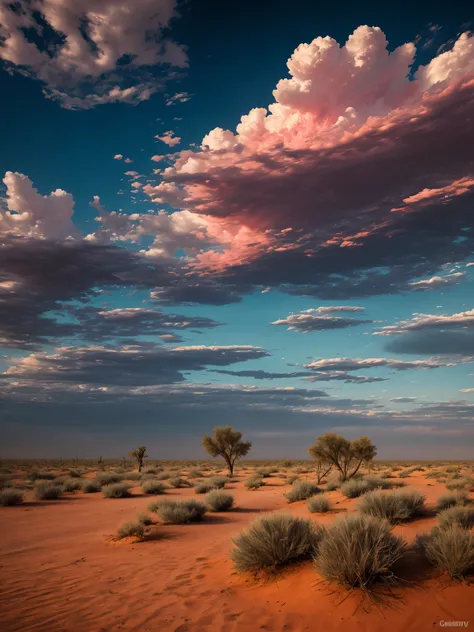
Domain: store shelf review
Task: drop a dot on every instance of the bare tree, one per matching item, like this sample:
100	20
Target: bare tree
346	456
226	442
139	455
322	468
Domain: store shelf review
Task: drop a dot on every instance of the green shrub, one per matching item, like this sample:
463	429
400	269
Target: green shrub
359	551
203	488
9	497
179	512
218	500
108	478
46	490
450	549
451	500
116	490
90	486
301	490
462	516
129	529
318	504
396	507
254	482
153	486
275	540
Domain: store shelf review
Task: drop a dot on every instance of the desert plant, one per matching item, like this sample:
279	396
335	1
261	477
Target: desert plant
359	551
227	443
395	507
134	476
462	516
195	473
219	482
460	484
47	490
74	474
152	486
301	490
90	486
321	466
116	490
203	488
254	482
451	500
179	512
35	475
107	478
178	482
139	455
145	519
129	529
318	504
291	479
9	497
346	456
263	472
218	500
71	485
377	482
275	540
355	488
450	549
333	481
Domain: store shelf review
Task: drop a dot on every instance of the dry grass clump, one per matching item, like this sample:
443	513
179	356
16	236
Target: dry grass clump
145	519
333	482
195	473
107	478
318	504
203	487
178	482
462	516
35	475
90	486
218	500
74	474
395	507
219	482
275	540
379	482
460	484
116	490
359	551
47	490
355	488
254	482
10	497
301	490
451	500
153	486
129	529
450	549
179	512
71	485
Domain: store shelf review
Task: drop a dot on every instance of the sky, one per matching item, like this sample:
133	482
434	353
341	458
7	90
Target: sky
256	214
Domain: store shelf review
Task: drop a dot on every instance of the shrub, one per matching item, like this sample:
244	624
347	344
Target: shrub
108	478
254	482
203	488
396	506
318	504
275	540
71	485
129	529
377	482
219	501
301	490
163	476
451	500
179	512
219	482
116	490
459	484
9	497
132	476
153	486
90	486
195	473
333	481
145	519
450	549
35	475
74	474
462	516
263	472
46	490
355	488
178	482
359	551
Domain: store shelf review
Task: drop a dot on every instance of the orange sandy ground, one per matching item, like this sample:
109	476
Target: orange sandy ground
62	571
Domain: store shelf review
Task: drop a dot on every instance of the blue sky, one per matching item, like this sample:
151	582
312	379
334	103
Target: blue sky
334	189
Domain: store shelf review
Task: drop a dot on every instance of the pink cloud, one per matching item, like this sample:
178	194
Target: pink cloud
169	138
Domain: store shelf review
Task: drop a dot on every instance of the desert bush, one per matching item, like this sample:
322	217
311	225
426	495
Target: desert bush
203	488
108	478
451	469
134	476
377	482
291	479
355	488
218	500
4	480
395	506
195	473
333	481
129	529
462	516
145	519
406	473
90	486
275	540
74	474
116	490
318	504
219	482
47	490
263	472
434	474
359	551
9	497
254	482
451	500
178	482
35	475
461	483
286	463
450	549
179	512
301	490
71	485
153	486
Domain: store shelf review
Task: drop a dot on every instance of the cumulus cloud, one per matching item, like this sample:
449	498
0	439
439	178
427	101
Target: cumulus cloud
356	364
423	322
439	282
169	138
179	97
86	54
309	321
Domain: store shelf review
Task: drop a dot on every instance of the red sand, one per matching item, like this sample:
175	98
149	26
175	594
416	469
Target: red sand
61	571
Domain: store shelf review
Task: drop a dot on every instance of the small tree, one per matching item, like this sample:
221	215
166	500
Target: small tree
139	455
322	468
346	456
226	442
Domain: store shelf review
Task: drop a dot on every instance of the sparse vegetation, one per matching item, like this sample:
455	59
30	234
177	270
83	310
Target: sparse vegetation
219	482
397	506
462	516
218	500
139	455
318	504
301	490
451	500
355	488
203	488
71	485
153	486
90	486
450	549
145	519
179	512
107	478
10	497
129	529
227	443
47	490
254	482
346	456
116	490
